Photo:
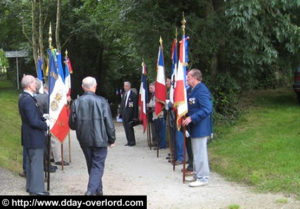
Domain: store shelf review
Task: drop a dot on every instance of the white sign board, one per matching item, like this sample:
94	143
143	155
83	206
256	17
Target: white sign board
11	54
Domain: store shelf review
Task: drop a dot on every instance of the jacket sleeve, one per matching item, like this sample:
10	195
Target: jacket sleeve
72	117
205	109
32	114
109	125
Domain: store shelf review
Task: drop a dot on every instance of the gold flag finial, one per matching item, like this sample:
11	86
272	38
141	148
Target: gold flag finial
183	22
66	53
160	40
50	36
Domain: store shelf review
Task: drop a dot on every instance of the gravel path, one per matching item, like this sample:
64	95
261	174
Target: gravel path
137	171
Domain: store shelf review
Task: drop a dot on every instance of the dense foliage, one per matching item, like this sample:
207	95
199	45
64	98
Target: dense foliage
237	44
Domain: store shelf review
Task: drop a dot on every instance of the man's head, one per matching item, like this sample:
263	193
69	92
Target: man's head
89	84
127	86
194	77
152	87
168	83
38	85
28	83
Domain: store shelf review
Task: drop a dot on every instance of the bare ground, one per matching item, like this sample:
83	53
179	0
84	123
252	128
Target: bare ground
137	171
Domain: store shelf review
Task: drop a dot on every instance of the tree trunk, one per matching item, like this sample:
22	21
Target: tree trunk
34	35
41	45
57	31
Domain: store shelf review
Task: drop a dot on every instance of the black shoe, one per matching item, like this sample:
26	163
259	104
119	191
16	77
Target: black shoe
23	174
131	145
52	160
126	144
88	193
40	194
52	169
99	193
64	163
168	158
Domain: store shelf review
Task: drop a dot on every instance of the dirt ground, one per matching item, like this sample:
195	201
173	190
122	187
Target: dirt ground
137	171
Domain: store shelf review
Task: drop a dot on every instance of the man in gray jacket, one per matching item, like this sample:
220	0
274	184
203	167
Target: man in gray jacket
91	118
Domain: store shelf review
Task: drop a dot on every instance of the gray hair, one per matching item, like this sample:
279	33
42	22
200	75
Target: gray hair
38	85
197	74
89	82
127	82
27	80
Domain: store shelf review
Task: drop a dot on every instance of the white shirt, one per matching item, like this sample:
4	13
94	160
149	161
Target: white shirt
127	95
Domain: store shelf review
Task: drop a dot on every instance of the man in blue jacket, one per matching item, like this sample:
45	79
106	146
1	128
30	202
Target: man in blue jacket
33	137
199	109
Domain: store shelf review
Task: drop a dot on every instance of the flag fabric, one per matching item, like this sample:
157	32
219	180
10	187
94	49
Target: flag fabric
68	71
58	111
160	84
143	97
180	94
40	75
173	69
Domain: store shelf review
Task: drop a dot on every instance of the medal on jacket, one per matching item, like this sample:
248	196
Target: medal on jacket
192	101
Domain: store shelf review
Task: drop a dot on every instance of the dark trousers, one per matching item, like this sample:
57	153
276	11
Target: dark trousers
35	170
95	161
24	159
190	153
129	131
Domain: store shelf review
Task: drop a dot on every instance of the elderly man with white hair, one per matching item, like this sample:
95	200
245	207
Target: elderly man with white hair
33	137
91	118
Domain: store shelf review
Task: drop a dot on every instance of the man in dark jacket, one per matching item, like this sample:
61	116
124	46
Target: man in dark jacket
129	112
91	118
33	137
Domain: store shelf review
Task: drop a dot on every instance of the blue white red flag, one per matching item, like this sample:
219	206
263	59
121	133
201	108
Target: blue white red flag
68	76
143	97
180	94
174	59
160	84
58	111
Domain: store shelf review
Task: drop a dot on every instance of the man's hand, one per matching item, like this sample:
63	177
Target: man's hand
187	121
112	145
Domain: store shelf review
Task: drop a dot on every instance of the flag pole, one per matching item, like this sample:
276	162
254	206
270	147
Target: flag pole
49	135
62	155
158	138
183	22
69	138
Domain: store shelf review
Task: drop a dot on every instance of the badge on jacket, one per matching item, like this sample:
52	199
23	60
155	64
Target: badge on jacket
192	101
130	104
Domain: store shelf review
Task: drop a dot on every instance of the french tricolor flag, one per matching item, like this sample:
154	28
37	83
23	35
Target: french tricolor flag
160	84
143	97
180	95
58	111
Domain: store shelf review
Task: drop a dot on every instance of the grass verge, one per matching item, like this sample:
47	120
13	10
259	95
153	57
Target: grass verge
263	147
10	128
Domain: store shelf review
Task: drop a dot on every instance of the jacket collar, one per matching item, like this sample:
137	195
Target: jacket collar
197	86
89	93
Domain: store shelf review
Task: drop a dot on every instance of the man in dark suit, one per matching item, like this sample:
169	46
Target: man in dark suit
129	112
33	137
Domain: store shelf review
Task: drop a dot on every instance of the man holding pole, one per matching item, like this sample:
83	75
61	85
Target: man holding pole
199	109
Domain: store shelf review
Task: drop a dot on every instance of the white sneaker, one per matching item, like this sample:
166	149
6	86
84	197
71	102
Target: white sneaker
190	178
198	183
